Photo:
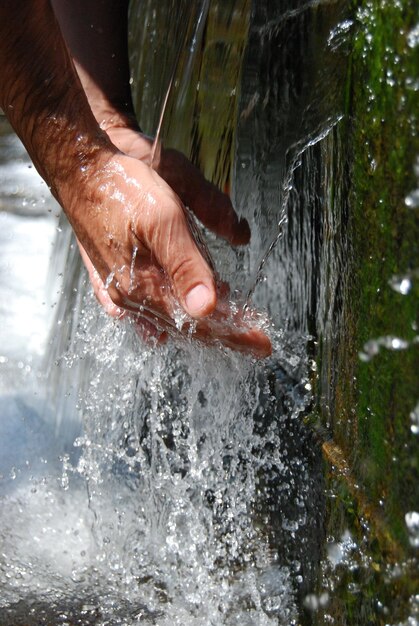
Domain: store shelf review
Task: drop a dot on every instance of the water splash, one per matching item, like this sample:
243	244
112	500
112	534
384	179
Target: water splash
296	151
167	487
339	34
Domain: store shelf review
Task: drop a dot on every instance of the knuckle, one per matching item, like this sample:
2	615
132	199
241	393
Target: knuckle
181	269
157	220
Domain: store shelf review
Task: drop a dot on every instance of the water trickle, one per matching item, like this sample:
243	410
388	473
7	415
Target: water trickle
109	280
131	271
196	22
193	492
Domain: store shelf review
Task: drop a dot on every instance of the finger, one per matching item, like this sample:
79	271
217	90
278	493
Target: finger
212	207
237	331
237	334
164	229
243	339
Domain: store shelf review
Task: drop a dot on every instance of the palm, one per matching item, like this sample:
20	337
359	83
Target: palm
215	211
212	207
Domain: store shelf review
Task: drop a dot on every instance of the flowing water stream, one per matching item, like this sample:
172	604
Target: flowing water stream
180	484
189	469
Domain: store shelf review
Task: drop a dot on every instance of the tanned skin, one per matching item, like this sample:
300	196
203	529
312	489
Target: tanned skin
77	123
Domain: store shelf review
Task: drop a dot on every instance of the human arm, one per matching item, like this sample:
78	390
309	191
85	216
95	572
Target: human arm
118	199
131	224
96	33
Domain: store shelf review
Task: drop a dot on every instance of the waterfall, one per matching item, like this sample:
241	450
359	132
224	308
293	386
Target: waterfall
180	483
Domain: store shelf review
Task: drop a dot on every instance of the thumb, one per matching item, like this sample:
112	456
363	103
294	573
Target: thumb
172	243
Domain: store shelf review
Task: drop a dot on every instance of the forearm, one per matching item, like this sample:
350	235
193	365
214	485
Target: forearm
100	26
41	94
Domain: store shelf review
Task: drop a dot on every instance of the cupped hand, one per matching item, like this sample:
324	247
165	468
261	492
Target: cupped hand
211	206
138	235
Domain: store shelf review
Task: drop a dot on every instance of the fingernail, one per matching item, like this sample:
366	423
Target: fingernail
196	299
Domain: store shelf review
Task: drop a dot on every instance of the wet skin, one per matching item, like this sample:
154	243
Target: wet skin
132	225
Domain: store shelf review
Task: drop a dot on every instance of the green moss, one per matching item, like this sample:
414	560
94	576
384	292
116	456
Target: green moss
385	243
363	407
372	399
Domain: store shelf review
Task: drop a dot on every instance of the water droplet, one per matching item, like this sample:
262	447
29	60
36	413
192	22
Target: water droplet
109	280
412	523
412	199
413	37
414	418
401	284
373	346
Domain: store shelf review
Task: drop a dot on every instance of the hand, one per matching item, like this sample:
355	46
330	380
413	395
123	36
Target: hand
212	207
133	226
153	300
130	223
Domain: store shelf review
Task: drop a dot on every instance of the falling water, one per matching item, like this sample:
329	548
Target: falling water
176	483
183	43
178	491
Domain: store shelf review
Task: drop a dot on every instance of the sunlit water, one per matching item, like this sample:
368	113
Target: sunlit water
141	484
177	484
190	468
163	485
